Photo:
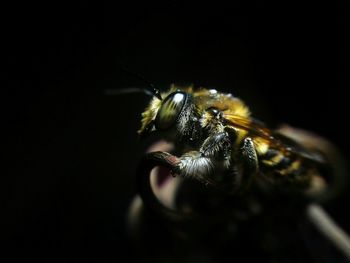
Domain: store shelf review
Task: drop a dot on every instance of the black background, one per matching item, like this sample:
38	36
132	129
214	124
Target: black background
70	152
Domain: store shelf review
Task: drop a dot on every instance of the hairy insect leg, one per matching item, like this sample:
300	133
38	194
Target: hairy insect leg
153	203
250	163
214	155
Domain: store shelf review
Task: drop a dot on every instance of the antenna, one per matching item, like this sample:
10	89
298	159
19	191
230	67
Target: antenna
113	92
150	90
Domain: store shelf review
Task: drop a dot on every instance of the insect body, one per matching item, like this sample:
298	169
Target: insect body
252	175
220	144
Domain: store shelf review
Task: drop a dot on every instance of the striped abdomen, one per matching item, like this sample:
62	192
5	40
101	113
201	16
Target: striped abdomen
280	166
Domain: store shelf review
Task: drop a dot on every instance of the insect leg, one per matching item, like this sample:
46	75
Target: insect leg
187	220
217	146
214	155
250	163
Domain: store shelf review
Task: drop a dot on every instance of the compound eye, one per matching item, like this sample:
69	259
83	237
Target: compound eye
170	110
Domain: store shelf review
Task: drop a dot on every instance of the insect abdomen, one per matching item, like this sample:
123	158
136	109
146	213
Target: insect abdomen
281	164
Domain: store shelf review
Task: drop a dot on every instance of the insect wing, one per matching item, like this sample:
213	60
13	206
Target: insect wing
257	129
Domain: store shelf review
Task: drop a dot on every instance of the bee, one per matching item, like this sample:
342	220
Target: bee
242	172
220	144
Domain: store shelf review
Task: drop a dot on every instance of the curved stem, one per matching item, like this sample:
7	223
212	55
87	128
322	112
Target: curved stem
150	161
328	228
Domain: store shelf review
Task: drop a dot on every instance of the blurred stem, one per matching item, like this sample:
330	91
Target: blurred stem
328	228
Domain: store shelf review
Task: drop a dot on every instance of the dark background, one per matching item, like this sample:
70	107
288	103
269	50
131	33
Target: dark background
70	152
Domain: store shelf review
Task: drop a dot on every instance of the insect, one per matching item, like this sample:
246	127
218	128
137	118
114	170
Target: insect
238	166
223	146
